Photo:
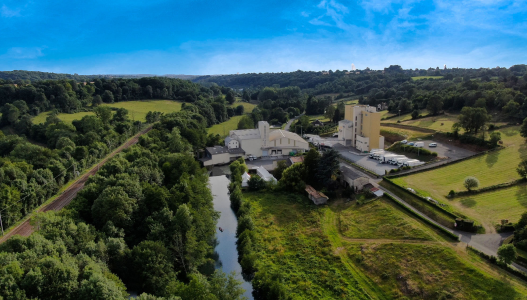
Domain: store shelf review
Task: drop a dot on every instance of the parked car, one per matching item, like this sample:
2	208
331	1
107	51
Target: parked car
404	141
336	134
411	143
251	157
432	145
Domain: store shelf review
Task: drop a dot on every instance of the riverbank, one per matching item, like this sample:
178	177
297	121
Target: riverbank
226	249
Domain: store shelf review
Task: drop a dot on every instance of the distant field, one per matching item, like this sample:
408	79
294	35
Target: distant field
248	107
224	128
391	133
379	220
440	123
492	168
426	77
136	110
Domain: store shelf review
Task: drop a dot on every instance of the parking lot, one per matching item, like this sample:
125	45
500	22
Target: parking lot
442	149
445	150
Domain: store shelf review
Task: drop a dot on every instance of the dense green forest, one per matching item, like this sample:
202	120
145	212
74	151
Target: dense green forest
145	221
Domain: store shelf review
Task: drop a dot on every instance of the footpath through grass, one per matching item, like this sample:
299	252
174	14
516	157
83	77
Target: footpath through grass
137	110
348	251
492	168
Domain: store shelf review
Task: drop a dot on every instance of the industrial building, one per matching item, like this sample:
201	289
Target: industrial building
260	142
361	128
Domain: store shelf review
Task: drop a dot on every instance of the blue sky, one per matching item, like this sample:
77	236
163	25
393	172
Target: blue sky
225	37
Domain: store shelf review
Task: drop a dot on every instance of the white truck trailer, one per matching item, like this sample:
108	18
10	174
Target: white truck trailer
401	161
393	159
386	157
413	163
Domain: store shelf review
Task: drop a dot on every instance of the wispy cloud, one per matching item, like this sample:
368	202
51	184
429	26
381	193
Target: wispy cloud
24	52
7	12
333	11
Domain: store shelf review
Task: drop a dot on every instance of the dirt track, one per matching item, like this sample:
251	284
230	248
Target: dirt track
25	229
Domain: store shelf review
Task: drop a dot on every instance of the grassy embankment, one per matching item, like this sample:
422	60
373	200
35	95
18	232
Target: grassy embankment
491	169
345	250
232	124
137	110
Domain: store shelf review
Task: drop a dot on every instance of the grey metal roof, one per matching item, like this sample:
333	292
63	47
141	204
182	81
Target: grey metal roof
349	173
223	149
247	134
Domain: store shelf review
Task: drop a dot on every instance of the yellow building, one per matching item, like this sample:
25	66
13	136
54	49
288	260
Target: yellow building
361	128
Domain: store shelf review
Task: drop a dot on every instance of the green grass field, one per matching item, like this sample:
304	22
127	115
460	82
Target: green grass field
411	271
426	77
136	110
290	241
391	134
248	107
492	168
440	123
317	259
224	128
378	220
508	203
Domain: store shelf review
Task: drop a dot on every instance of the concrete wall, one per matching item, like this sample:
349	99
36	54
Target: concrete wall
252	146
233	144
217	159
363	143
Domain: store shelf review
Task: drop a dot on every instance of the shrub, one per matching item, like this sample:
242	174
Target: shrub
256	183
471	183
451	194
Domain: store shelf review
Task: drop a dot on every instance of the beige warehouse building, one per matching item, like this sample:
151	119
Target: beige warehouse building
260	142
361	128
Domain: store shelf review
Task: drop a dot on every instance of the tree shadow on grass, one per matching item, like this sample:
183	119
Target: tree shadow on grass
492	158
468	202
521	195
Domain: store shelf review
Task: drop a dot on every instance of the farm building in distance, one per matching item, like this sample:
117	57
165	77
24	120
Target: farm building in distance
361	128
352	179
317	197
256	142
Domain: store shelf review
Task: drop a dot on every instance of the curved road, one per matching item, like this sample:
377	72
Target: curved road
288	125
25	229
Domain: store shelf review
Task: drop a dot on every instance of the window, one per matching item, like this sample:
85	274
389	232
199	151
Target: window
278	151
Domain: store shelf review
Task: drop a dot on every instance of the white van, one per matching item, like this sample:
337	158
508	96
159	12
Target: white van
413	163
401	161
419	144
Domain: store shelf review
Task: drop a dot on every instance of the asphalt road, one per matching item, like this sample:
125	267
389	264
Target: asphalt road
288	125
25	229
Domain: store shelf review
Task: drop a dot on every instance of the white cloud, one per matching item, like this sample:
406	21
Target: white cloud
24	52
8	13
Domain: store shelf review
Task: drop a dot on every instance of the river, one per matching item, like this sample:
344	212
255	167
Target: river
226	248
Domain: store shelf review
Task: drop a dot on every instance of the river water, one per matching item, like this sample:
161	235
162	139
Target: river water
226	248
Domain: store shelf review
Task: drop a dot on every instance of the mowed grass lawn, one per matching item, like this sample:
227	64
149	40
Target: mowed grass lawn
379	220
413	271
137	110
492	168
440	123
223	128
290	242
507	203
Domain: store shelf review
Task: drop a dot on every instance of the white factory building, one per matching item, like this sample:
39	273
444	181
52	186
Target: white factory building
260	142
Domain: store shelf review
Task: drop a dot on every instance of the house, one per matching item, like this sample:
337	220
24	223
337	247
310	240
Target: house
295	160
376	191
255	142
221	155
317	197
361	128
317	123
264	174
245	179
351	178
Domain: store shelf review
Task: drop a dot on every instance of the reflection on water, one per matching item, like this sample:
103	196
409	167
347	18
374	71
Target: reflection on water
227	255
